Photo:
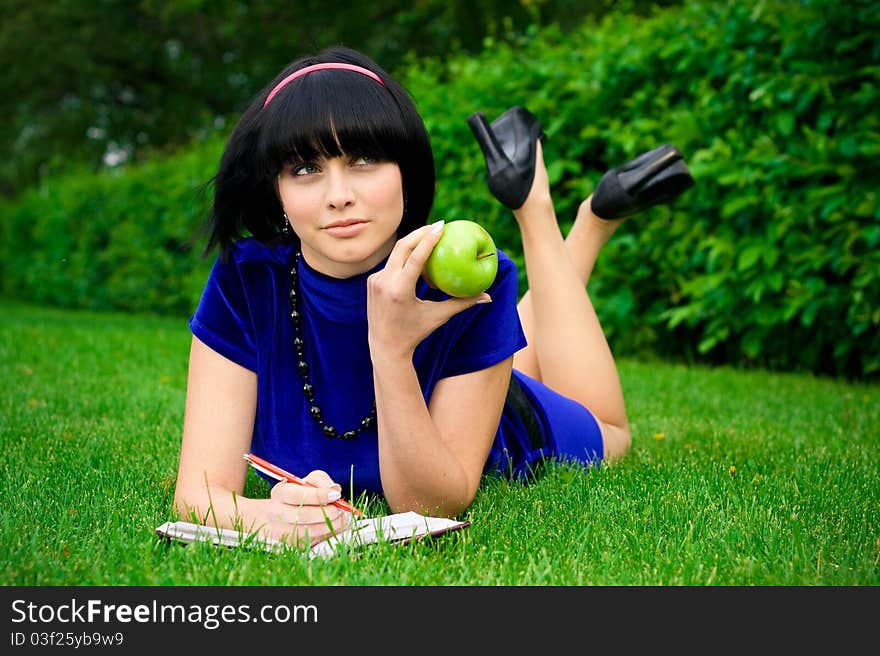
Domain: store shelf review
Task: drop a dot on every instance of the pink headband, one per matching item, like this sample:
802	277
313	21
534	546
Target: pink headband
320	67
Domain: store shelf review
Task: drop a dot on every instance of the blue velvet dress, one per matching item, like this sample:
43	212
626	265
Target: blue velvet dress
244	315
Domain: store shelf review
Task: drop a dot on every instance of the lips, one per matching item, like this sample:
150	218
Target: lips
345	227
344	223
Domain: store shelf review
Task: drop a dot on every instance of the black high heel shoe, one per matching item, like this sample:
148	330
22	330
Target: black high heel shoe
655	177
509	146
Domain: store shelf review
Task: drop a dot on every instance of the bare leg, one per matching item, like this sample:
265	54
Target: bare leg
583	243
567	349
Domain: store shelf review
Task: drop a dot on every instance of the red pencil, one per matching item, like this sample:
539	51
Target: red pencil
279	474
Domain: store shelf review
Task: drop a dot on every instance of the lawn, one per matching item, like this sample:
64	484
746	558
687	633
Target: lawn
736	478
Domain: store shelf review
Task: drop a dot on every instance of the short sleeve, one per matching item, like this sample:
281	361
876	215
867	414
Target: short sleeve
222	319
491	332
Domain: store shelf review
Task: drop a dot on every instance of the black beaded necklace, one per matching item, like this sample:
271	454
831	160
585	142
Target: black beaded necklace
308	389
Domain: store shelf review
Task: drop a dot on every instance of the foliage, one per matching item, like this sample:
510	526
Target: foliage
114	80
127	240
770	260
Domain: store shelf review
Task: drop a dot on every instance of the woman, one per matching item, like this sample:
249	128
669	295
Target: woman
318	345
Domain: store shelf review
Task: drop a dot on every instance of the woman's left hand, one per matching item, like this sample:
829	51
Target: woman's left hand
398	319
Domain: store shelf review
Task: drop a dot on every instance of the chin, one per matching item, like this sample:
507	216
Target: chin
353	252
353	256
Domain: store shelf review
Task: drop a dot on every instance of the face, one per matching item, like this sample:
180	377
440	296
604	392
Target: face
345	211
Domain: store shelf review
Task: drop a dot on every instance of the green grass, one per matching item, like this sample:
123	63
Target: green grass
735	478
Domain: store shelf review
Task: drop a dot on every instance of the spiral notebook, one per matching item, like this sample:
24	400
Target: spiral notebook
398	528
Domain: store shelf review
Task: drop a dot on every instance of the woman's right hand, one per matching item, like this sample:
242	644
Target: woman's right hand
398	320
303	515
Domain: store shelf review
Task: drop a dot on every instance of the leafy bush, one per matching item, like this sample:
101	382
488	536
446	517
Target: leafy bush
770	260
125	240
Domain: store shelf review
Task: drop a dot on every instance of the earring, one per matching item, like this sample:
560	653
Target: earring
285	227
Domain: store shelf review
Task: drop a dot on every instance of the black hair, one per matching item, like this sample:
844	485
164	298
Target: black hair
323	113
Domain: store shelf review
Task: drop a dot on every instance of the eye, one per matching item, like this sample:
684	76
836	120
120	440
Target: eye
303	168
364	160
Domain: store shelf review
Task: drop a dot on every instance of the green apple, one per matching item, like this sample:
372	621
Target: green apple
464	262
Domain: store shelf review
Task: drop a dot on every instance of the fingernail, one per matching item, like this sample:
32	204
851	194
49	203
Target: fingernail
485	299
437	228
333	495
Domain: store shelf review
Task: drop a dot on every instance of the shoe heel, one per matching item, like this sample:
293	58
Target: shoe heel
637	174
496	160
508	145
502	177
653	178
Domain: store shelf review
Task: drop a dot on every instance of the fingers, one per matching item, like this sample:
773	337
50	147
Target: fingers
415	263
307	526
303	537
302	507
306	495
303	514
404	247
310	515
321	479
411	252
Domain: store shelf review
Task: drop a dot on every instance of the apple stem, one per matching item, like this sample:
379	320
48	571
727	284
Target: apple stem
485	255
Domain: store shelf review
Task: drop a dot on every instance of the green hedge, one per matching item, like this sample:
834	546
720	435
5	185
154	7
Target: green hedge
121	240
770	260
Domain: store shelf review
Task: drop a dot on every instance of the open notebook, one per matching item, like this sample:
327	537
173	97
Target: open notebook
399	528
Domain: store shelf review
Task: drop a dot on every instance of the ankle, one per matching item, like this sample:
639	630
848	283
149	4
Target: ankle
588	217
590	227
537	205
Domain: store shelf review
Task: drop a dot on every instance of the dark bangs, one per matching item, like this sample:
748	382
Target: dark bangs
328	113
320	114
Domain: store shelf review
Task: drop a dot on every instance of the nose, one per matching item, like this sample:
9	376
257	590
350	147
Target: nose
340	192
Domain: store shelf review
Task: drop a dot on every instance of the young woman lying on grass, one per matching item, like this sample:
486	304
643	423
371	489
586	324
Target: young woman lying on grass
319	346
